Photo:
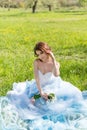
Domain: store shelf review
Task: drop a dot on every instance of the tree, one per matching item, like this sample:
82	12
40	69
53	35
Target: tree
48	4
31	4
10	3
82	2
5	3
34	5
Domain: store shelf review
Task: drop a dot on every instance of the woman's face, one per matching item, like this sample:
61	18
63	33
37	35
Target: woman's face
42	55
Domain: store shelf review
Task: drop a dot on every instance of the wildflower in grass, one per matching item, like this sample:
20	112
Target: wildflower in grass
8	30
26	39
30	68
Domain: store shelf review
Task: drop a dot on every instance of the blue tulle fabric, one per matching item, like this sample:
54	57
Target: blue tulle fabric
67	111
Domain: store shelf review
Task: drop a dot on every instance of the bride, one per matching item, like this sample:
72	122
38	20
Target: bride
67	109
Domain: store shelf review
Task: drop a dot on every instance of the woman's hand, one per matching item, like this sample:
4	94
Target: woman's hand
44	95
51	55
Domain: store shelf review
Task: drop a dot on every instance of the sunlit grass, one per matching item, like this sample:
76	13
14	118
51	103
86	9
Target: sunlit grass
65	32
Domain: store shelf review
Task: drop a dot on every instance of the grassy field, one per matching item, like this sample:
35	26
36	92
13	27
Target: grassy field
65	32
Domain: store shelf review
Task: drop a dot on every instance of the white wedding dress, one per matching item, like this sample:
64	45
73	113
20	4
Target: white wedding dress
67	111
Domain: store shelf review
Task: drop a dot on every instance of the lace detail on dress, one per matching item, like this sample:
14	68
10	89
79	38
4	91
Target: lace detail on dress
45	78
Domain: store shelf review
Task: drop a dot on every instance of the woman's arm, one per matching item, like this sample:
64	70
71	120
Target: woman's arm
56	68
36	75
56	65
44	95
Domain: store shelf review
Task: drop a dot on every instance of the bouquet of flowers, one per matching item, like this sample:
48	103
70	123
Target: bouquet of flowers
51	96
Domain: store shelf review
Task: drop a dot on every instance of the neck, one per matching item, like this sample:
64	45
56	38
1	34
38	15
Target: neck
48	60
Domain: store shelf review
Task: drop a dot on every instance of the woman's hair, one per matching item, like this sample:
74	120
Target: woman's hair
41	46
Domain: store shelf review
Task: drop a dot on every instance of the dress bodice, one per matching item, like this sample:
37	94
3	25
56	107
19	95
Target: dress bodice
45	78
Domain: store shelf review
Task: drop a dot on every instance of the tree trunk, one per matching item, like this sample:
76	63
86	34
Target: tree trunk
49	6
9	5
8	8
34	6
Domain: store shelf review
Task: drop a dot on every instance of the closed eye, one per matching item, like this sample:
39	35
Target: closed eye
40	53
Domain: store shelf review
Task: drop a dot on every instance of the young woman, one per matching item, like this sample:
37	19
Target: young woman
46	70
44	64
46	102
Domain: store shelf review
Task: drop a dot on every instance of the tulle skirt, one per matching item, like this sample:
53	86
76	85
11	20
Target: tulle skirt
68	110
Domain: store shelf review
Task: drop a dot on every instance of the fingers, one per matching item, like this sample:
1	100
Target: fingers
45	96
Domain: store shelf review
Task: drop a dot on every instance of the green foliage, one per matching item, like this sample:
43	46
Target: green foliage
65	32
83	2
51	96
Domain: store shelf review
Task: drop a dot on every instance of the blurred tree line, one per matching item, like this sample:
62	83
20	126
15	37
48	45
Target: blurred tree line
36	4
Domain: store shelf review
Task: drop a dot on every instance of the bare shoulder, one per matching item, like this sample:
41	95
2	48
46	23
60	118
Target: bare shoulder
36	62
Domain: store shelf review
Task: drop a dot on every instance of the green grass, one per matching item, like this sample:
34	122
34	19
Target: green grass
65	32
